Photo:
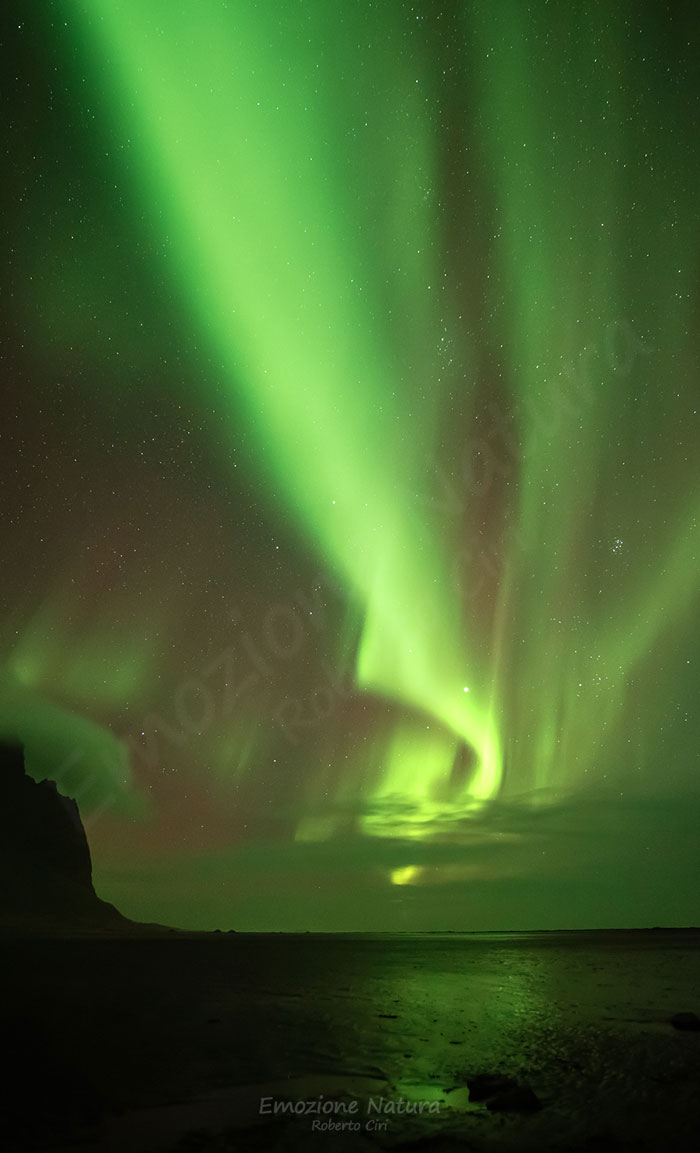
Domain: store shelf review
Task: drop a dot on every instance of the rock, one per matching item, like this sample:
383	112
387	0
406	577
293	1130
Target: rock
686	1021
501	1093
520	1099
45	865
485	1085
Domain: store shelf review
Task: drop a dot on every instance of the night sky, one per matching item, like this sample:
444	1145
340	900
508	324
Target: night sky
350	455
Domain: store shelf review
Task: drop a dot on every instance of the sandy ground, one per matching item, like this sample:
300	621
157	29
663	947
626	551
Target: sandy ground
183	1042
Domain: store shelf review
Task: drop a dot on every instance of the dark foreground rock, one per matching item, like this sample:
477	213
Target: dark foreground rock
502	1094
519	1099
483	1086
687	1021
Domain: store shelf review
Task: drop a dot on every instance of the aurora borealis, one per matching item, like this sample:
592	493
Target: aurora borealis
351	456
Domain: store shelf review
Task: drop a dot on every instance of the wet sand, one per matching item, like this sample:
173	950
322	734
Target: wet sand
165	1041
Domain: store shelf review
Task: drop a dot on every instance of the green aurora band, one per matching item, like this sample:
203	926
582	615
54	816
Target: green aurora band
290	237
377	222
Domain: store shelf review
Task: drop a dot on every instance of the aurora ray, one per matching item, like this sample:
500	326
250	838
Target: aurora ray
281	261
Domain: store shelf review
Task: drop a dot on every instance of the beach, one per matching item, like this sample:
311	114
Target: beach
166	1040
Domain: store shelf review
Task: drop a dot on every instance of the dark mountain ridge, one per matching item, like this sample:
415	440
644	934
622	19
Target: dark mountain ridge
45	862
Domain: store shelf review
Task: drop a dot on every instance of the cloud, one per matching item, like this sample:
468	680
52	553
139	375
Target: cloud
587	861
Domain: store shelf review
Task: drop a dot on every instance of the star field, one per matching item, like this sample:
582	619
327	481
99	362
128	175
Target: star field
350	456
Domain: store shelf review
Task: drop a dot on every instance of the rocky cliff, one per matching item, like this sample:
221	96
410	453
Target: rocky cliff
45	866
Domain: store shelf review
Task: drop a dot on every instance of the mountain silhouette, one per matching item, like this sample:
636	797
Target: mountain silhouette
45	864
